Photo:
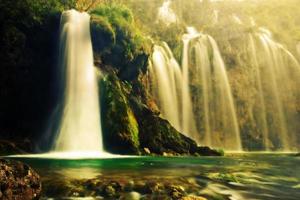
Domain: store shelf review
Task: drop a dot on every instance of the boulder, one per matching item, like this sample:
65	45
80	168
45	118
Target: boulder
18	181
157	134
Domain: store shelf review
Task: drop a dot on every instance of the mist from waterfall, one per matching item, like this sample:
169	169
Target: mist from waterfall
166	14
80	128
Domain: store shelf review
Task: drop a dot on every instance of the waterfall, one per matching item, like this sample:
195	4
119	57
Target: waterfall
165	76
216	110
204	70
80	128
277	77
298	49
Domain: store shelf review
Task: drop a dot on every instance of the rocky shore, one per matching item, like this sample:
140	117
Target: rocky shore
18	181
126	188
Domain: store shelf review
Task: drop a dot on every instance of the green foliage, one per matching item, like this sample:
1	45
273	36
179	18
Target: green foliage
103	35
125	48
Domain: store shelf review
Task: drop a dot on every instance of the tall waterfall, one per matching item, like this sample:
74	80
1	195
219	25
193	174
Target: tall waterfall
277	77
215	109
166	78
80	128
167	85
203	69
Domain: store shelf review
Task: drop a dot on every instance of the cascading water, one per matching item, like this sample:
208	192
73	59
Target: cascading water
203	67
80	128
277	76
167	86
166	78
217	110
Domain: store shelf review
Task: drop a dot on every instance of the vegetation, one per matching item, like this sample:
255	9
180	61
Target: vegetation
118	41
121	135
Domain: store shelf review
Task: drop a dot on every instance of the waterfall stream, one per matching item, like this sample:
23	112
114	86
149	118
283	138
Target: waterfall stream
80	128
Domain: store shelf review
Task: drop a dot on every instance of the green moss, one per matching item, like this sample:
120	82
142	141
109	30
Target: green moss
121	132
224	177
157	134
103	35
123	46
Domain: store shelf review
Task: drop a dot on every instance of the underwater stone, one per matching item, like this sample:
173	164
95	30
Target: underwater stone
132	196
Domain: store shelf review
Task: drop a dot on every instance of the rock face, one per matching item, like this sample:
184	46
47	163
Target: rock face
158	135
120	128
18	181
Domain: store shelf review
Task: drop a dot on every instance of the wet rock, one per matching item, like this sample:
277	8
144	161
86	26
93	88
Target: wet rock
176	192
164	137
129	186
206	151
112	189
153	187
140	186
147	151
109	191
131	196
18	181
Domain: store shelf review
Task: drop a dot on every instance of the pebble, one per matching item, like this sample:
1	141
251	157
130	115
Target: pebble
131	196
109	191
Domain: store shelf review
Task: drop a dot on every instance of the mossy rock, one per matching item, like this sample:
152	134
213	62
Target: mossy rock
118	41
121	132
103	34
158	135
